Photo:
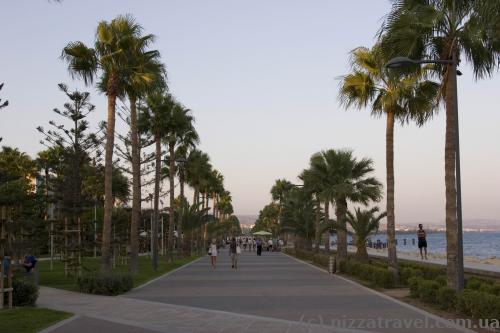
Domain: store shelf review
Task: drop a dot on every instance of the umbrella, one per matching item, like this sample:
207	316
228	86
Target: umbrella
262	233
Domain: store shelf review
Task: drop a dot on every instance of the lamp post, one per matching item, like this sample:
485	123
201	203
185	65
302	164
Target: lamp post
452	64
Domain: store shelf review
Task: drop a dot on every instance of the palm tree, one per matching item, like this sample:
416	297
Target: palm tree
197	169
109	61
397	95
446	30
147	78
364	223
314	184
193	218
180	131
225	206
154	119
348	180
299	215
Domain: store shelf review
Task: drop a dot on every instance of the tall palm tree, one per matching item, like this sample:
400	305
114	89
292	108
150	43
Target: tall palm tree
279	193
154	119
314	183
197	169
349	181
148	77
299	215
225	206
364	223
400	96
109	62
446	30
180	131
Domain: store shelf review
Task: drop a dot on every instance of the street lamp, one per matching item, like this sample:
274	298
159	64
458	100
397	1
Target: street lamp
399	62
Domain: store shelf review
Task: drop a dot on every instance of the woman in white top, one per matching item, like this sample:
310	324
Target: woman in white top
213	253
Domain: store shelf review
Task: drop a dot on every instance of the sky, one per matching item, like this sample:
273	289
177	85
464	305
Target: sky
261	78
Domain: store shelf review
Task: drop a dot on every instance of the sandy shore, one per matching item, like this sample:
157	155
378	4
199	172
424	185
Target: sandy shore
494	261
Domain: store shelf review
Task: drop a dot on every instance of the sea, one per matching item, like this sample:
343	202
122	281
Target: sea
483	245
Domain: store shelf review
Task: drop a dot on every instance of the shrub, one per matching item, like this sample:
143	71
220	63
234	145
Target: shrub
406	273
24	293
446	298
379	276
105	284
442	280
413	282
478	304
428	290
321	259
428	272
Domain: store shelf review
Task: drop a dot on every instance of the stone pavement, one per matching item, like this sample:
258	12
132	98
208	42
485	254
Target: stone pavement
272	293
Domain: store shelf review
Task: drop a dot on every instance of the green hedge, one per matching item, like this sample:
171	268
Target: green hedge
426	271
478	305
483	285
469	302
380	277
105	284
24	293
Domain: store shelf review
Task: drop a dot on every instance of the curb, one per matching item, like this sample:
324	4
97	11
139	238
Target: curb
163	275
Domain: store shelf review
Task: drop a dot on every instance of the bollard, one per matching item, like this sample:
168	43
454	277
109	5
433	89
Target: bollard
332	265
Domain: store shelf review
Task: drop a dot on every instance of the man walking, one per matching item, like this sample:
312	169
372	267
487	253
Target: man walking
233	252
422	241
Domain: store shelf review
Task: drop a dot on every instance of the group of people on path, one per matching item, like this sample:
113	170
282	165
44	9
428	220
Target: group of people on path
234	252
237	245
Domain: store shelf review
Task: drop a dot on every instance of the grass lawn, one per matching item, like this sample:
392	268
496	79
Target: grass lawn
56	278
28	319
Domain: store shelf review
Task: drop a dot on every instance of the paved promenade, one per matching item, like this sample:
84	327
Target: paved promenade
272	293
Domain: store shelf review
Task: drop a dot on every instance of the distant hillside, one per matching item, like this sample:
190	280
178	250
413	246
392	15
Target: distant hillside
247	220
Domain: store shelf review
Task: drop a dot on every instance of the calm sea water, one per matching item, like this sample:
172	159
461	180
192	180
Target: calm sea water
476	244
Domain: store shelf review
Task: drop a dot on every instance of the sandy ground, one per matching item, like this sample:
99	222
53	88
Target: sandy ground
493	261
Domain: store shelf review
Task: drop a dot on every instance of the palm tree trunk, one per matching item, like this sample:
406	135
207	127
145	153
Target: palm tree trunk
154	232
136	188
181	211
171	221
361	252
317	231
452	254
108	178
340	212
391	220
327	220
213	203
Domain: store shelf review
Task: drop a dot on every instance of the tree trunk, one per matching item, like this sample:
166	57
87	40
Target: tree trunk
154	232
327	220
361	252
108	179
171	220
317	231
213	203
391	220
450	183
136	187
182	237
340	211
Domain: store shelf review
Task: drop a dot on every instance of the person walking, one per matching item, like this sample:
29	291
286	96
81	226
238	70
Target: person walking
259	246
234	251
422	241
213	253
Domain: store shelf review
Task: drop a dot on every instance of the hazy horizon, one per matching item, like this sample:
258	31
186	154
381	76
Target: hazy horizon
261	79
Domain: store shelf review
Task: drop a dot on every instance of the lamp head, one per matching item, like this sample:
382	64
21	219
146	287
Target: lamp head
399	62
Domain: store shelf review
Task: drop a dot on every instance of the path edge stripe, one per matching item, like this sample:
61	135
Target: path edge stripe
59	324
163	275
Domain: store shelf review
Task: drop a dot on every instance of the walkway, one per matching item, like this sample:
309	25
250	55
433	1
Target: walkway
272	293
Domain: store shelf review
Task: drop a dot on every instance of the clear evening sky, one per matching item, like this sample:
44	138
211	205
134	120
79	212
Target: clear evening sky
261	79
